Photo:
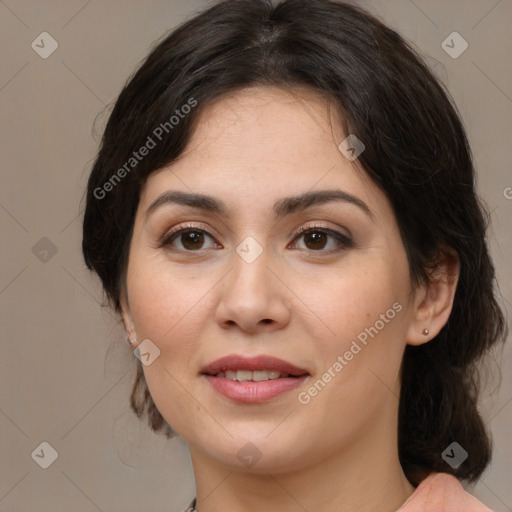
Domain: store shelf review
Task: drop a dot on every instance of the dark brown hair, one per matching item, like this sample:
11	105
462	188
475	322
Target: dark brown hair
416	152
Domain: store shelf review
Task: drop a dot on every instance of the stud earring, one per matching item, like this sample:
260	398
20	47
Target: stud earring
132	342
425	332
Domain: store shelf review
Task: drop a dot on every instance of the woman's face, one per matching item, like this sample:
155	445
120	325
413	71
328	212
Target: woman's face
334	302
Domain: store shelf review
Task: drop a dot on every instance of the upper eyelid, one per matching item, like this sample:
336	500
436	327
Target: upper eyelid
199	227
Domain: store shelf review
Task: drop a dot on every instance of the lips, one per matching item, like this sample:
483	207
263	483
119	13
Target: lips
236	363
253	380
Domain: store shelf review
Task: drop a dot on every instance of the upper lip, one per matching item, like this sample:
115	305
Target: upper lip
263	362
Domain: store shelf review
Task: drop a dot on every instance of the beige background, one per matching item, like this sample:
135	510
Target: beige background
66	370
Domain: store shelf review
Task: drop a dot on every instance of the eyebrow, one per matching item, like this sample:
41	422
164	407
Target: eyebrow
281	208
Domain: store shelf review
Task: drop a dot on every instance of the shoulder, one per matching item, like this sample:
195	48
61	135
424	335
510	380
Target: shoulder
442	492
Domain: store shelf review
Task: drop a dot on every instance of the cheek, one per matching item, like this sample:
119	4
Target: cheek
360	362
355	297
166	304
365	308
167	308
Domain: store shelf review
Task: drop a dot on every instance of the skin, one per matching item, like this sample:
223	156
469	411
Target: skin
301	300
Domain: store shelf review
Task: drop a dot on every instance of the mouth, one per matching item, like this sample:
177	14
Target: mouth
256	376
253	380
243	369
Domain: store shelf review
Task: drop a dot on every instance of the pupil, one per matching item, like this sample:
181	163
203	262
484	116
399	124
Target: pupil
317	237
193	237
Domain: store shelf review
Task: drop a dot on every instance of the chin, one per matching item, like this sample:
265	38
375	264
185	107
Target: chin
256	451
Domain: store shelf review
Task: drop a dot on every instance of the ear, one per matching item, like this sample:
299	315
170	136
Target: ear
434	300
126	317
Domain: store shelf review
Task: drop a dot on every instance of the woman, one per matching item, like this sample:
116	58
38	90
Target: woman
283	214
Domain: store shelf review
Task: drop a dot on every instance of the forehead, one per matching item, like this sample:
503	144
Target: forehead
263	143
266	121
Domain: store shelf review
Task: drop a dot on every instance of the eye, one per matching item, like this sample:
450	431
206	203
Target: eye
190	237
316	238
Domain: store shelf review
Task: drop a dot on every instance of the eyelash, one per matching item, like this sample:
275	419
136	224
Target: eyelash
344	241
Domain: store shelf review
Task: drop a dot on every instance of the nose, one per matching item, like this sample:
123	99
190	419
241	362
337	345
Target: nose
253	298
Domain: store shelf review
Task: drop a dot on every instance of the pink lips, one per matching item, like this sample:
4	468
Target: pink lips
253	392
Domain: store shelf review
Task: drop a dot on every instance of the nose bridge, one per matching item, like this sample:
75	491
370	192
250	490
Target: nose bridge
252	295
250	276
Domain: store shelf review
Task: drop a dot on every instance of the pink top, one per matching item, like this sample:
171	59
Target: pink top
439	492
442	492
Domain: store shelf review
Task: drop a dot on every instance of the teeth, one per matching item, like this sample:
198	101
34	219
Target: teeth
263	375
245	375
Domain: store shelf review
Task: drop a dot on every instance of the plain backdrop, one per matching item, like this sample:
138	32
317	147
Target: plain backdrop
66	371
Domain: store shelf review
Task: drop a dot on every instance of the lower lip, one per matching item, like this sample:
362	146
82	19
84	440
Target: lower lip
254	392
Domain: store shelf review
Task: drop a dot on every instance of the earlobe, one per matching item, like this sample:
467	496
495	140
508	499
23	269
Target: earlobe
128	324
434	300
